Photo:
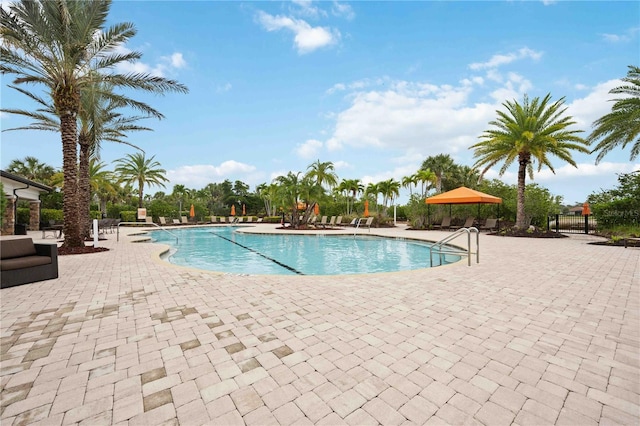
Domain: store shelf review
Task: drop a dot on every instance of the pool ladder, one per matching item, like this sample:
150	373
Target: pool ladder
441	247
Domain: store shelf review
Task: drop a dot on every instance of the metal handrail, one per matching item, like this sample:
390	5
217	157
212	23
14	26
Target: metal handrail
145	224
451	250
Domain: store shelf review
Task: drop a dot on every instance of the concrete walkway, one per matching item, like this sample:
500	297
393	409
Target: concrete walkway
539	332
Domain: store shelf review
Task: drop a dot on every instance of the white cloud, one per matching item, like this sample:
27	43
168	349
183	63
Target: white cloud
626	37
305	8
594	105
306	38
499	60
586	169
223	88
342	165
343	10
417	117
166	64
176	60
309	149
197	176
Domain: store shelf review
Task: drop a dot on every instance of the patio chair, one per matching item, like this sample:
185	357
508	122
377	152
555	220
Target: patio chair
176	221
489	225
362	223
184	221
259	220
445	224
162	220
148	219
339	221
214	219
249	219
332	222
323	222
468	223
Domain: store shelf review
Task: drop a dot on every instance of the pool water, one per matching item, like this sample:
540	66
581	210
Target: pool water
225	250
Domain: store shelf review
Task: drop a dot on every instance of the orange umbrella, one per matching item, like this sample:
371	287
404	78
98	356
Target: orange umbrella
316	209
366	208
244	210
586	210
233	209
192	212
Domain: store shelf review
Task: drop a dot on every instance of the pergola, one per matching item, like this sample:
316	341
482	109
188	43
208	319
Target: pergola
464	195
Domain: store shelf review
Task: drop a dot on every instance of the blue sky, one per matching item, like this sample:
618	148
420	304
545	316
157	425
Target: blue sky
374	87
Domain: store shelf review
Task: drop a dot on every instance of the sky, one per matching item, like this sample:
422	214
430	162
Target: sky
373	87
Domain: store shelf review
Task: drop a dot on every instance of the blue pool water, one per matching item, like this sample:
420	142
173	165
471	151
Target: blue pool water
222	249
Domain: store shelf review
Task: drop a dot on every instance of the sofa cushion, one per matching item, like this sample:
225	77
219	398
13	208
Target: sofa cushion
17	247
23	262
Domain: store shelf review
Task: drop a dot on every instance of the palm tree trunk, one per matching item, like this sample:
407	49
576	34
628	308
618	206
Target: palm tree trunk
140	188
520	214
84	189
71	227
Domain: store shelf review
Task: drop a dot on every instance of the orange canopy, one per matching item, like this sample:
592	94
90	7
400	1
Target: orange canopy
366	208
192	211
233	210
316	209
463	195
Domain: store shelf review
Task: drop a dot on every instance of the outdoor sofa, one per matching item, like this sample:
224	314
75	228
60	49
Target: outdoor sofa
22	262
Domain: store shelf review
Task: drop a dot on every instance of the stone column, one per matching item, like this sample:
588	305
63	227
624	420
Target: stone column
34	215
9	216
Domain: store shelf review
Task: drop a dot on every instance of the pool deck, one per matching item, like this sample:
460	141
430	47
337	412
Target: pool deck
539	332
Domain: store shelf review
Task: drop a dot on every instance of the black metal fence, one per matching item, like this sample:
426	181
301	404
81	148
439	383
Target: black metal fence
572	224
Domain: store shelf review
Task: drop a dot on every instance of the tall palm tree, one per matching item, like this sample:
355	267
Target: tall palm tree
622	125
528	133
390	190
137	169
55	44
180	192
442	165
32	169
323	173
427	179
410	182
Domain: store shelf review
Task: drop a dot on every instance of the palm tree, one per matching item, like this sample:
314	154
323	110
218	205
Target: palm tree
442	165
135	168
323	173
389	189
528	133
288	194
410	182
622	125
31	168
102	183
54	43
426	178
180	192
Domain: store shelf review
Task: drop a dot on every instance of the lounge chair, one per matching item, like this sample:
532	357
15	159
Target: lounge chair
223	219
339	221
249	219
323	222
489	225
445	224
332	222
176	221
354	222
312	221
468	223
214	219
259	219
162	220
148	219
185	221
362	223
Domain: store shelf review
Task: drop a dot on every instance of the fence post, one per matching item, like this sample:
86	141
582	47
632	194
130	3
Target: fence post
586	223
557	223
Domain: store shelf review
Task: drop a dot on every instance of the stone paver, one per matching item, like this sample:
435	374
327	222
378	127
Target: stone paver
539	332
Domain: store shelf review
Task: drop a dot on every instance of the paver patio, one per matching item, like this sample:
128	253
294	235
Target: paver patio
539	332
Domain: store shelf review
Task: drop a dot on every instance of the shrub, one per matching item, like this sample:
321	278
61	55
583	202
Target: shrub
128	215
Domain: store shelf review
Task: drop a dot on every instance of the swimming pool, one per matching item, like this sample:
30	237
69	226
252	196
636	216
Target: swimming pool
225	250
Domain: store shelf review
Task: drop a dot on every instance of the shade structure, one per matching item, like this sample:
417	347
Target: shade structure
316	209
463	195
366	208
233	209
244	210
192	211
